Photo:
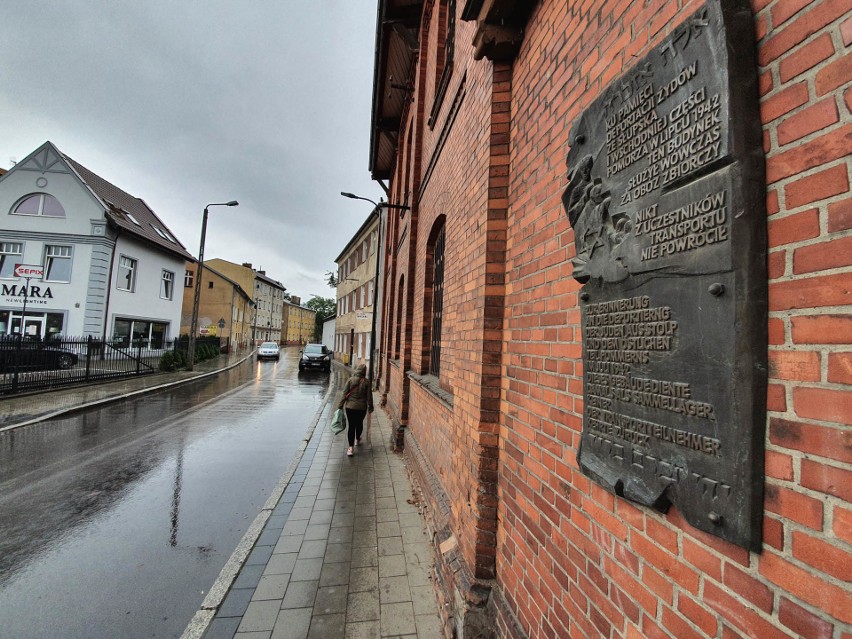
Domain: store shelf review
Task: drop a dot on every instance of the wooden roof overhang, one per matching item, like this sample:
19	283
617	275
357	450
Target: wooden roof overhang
397	45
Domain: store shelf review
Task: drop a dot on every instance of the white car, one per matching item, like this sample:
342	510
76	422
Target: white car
268	350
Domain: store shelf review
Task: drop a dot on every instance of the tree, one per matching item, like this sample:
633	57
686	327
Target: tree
324	306
331	279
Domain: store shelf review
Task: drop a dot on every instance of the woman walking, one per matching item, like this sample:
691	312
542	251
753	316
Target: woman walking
357	400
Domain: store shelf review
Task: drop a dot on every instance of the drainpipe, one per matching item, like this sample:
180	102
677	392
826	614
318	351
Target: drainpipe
109	290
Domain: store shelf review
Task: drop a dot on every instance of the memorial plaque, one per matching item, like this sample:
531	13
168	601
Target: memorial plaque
666	197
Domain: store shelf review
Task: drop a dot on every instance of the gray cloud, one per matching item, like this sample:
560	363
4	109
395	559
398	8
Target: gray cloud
188	103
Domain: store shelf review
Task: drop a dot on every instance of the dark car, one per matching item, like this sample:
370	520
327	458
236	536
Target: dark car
315	357
33	355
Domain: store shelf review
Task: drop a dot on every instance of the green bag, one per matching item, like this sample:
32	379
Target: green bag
338	424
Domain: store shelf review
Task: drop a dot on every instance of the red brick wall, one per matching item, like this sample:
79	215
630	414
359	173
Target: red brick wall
451	442
572	560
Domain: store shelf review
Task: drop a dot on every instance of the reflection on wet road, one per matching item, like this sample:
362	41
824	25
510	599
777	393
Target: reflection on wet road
114	522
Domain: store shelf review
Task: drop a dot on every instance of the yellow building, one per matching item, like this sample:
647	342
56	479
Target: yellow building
356	276
299	322
225	309
266	293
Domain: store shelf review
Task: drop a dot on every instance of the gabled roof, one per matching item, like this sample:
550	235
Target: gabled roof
263	276
234	284
122	210
129	213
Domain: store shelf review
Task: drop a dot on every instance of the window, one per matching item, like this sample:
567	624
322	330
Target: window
437	301
188	278
445	54
11	253
167	283
370	294
363	293
398	341
39	204
57	263
126	279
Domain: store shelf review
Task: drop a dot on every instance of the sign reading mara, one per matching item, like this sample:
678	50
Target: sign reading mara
666	199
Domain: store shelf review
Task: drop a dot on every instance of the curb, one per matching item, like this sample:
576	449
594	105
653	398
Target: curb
115	398
204	616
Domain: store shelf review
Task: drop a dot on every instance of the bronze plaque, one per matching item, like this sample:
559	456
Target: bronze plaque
666	197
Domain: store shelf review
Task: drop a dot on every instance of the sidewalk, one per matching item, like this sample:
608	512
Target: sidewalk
341	554
339	550
17	411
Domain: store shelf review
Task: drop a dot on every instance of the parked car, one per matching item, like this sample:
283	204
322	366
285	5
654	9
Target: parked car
33	355
315	357
269	350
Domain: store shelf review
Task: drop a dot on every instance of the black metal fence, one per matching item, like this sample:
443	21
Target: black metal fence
30	364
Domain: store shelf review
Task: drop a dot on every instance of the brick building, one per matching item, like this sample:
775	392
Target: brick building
482	341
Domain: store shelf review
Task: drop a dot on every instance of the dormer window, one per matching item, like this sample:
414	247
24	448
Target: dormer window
39	204
132	219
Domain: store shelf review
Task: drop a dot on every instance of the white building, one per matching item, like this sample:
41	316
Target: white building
111	266
328	334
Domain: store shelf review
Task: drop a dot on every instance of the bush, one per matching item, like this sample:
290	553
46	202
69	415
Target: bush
180	359
167	362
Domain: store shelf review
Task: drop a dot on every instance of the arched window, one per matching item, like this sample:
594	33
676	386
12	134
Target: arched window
39	204
434	307
399	300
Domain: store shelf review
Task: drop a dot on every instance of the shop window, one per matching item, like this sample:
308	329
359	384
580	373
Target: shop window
167	282
11	253
39	204
57	263
126	279
139	333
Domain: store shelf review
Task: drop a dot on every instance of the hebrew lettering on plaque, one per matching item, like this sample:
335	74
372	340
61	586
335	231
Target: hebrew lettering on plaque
666	197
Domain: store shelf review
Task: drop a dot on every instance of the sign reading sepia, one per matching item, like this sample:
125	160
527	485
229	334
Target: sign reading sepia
666	197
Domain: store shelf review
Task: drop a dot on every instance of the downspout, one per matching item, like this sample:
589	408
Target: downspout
109	285
231	319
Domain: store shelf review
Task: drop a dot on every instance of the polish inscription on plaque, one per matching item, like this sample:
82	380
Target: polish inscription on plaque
666	198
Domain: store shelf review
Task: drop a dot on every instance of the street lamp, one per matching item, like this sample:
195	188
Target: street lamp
193	327
377	211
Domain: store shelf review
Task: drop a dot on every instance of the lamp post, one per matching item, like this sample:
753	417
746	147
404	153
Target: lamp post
377	211
193	327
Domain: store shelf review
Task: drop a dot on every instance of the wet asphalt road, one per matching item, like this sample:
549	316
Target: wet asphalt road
114	522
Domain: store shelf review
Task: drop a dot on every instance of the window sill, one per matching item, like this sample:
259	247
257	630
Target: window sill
431	385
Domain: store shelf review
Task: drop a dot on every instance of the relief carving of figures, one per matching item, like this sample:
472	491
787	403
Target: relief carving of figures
598	235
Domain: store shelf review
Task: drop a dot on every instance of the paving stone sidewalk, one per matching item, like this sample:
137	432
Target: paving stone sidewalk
344	554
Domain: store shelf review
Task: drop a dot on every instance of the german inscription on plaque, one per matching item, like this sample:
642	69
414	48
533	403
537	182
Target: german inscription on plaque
666	197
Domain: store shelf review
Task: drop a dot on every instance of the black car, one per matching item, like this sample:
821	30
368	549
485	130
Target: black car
33	355
315	357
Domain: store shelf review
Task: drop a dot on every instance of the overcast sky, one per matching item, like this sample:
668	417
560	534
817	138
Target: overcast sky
186	103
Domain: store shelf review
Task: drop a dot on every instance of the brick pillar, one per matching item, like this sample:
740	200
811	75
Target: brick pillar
492	338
